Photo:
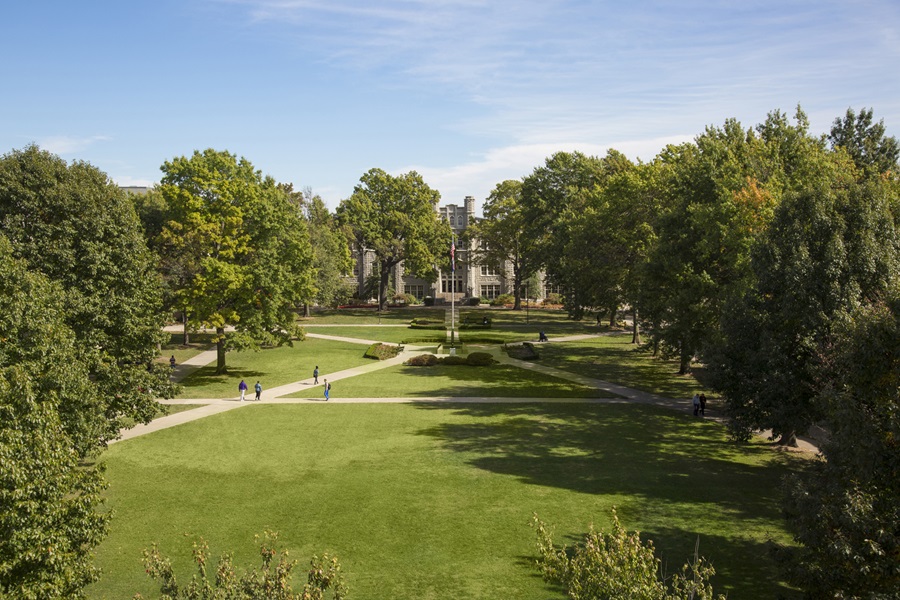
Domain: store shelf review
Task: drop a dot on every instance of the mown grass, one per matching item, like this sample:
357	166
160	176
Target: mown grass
615	359
273	367
199	343
494	381
434	501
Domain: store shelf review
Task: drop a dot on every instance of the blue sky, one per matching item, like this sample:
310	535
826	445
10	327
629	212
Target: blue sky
466	92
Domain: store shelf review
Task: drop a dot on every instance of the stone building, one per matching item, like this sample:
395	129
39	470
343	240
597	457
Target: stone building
467	281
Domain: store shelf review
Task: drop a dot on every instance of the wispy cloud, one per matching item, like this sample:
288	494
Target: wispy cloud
64	144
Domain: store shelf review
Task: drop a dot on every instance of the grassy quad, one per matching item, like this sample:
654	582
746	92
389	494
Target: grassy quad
434	501
274	367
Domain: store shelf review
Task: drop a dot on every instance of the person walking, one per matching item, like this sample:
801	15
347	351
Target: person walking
258	389
242	388
702	404
327	389
696	402
316	375
172	361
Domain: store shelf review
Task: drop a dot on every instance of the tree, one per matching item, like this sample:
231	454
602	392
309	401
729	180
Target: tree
552	197
843	510
396	219
74	225
50	419
865	142
331	253
242	249
500	238
828	250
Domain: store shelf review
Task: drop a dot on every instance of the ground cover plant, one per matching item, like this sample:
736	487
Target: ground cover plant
435	500
615	359
274	367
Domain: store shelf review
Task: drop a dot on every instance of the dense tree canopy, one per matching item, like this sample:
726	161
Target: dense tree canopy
865	141
500	238
50	417
396	218
241	250
74	225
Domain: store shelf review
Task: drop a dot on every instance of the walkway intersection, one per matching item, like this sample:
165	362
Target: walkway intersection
277	395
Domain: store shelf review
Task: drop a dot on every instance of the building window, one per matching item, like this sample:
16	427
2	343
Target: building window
490	291
460	221
551	289
416	290
457	286
488	271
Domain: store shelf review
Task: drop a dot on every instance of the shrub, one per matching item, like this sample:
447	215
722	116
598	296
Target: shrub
404	299
503	299
480	359
453	360
524	351
382	351
618	566
428	301
553	298
272	581
473	301
423	360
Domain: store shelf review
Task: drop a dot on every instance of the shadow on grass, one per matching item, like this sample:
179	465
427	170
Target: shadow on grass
498	380
205	376
645	452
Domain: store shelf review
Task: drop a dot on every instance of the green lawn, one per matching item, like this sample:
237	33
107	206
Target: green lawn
497	380
433	501
273	367
181	352
615	359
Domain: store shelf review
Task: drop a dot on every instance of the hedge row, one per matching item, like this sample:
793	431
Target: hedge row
382	351
475	359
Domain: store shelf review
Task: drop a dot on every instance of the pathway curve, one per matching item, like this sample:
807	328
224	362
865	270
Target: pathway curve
277	394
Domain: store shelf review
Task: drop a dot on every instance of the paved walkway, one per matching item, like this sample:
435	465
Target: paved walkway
277	394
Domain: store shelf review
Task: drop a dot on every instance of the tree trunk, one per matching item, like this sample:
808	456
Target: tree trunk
684	363
635	328
788	438
612	315
187	334
221	369
382	286
306	310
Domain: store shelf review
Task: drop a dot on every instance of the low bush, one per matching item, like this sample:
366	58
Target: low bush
428	301
480	359
473	301
422	360
503	299
382	351
453	360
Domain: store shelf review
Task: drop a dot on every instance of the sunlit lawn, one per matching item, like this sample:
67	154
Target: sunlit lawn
273	367
433	501
497	380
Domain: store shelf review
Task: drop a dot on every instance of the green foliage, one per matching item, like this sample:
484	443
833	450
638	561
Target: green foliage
75	226
237	249
395	217
272	581
480	359
382	351
844	509
503	300
872	152
827	251
618	566
422	360
502	238
331	252
51	417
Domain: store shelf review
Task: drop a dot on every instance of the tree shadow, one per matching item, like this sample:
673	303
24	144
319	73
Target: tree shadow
645	452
